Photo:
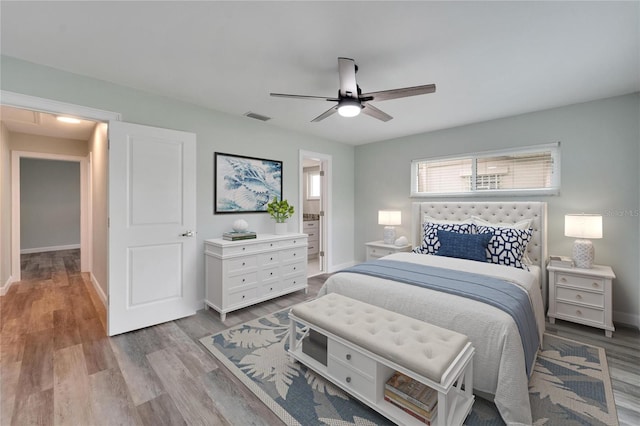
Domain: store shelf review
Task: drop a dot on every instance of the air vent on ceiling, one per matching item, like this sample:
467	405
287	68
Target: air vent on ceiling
257	116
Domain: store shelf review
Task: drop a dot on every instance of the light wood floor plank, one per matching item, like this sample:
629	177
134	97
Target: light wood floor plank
160	411
188	394
72	392
111	402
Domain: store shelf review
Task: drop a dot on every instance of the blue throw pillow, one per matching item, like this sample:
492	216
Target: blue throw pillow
431	243
463	246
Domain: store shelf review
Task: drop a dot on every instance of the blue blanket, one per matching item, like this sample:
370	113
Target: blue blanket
493	291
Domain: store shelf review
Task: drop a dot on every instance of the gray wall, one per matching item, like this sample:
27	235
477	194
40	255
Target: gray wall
49	204
216	132
600	150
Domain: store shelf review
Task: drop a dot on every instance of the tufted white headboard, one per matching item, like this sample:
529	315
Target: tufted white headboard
496	212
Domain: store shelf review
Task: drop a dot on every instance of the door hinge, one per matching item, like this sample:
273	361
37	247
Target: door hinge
321	213
108	222
321	172
321	254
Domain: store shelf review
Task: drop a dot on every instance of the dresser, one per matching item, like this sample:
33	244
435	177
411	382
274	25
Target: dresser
376	249
312	229
582	295
242	273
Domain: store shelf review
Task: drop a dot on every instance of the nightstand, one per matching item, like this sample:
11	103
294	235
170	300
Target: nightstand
582	296
377	249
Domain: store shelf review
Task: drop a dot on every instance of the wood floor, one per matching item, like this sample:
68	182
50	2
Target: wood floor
58	367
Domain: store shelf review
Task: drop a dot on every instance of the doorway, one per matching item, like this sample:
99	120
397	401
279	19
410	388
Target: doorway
315	218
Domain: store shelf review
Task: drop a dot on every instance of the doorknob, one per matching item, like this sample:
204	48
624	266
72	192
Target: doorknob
187	234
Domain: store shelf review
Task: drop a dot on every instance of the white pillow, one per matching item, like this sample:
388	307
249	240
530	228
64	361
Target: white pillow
428	218
522	225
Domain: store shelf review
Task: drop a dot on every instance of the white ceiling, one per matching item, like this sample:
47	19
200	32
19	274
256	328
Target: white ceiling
488	59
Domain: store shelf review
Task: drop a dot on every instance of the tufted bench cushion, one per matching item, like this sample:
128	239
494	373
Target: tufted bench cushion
423	348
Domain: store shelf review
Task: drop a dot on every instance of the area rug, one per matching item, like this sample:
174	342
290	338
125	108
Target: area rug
570	384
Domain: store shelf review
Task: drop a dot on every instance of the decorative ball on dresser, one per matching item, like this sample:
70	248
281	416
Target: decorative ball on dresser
240	225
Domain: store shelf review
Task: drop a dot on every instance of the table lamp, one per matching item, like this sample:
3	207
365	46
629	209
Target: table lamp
389	218
584	227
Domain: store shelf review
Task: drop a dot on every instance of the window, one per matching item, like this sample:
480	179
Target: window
313	185
514	172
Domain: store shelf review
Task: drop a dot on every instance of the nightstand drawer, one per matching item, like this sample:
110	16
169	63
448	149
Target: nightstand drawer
379	252
591	283
578	296
580	312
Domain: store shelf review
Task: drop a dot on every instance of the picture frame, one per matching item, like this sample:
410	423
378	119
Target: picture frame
245	184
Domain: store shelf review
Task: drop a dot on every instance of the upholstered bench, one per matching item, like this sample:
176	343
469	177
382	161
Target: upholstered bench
366	345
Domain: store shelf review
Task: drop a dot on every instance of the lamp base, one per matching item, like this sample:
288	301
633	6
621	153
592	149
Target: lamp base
389	235
583	254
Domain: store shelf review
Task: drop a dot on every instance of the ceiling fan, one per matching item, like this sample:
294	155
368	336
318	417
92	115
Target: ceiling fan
351	101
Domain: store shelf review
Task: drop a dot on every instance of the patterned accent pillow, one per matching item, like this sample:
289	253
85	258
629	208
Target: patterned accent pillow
430	242
507	246
463	246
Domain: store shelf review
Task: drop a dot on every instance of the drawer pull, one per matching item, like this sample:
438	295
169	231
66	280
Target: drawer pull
271	258
348	379
243	296
243	263
563	279
244	279
578	312
295	241
595	285
294	268
271	273
244	248
348	357
294	254
271	245
270	288
578	296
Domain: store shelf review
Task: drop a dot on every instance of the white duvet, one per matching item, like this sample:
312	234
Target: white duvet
499	363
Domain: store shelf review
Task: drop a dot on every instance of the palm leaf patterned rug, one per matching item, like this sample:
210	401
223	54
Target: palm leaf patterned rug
570	384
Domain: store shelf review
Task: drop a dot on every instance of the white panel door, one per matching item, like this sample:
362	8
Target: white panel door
152	220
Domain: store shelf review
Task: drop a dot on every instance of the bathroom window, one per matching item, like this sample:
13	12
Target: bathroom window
313	185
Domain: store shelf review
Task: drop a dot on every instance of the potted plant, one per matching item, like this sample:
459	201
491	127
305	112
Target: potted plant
280	211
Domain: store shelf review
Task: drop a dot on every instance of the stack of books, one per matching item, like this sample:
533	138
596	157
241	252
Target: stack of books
411	396
561	261
235	236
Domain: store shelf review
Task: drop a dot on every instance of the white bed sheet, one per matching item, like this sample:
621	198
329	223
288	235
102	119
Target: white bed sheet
499	363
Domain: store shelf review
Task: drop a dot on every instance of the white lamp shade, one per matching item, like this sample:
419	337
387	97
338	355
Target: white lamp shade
583	225
389	217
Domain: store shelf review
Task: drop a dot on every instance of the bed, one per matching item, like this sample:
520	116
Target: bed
501	364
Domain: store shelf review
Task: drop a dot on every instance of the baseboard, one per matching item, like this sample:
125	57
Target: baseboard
6	286
626	319
96	286
50	248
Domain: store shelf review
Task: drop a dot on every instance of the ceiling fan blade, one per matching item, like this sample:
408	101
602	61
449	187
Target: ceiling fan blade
374	112
401	93
347	72
317	98
325	114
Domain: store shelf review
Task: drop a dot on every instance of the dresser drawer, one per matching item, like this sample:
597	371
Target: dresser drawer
294	242
267	259
242	296
241	264
312	248
269	273
293	268
243	279
293	281
578	296
352	358
272	287
293	254
596	284
312	236
580	312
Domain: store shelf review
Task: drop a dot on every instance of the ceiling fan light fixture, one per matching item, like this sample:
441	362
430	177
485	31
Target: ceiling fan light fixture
70	120
349	108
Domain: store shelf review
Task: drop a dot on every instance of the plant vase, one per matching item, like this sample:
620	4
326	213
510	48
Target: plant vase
281	228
